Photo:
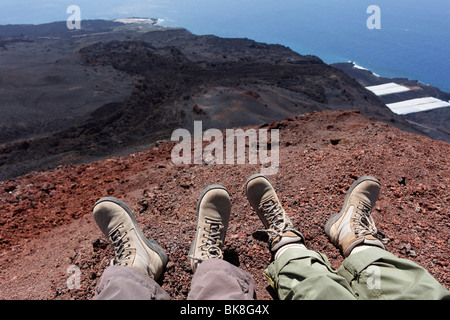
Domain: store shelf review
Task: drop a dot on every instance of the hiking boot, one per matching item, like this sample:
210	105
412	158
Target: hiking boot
354	225
131	248
213	214
264	200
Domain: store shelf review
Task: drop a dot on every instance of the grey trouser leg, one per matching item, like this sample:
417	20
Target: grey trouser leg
216	279
126	283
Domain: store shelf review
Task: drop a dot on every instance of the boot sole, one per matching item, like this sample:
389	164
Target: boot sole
152	244
335	217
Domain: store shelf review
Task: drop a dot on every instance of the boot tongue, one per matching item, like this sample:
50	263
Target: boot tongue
213	239
274	213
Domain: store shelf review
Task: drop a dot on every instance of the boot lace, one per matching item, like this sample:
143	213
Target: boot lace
211	242
276	217
364	223
119	242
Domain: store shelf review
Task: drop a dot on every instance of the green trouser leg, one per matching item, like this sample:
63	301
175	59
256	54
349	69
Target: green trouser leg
370	274
305	274
378	274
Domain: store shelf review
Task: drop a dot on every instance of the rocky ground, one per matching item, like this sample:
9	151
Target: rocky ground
47	226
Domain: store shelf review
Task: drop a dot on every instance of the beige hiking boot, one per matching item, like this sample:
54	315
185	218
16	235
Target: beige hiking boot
264	200
354	225
213	214
131	248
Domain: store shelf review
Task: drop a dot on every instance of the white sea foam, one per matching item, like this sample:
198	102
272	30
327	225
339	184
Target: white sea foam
362	68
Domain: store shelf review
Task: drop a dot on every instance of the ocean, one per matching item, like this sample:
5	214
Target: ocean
413	40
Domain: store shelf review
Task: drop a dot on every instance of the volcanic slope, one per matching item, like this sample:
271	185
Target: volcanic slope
47	226
180	77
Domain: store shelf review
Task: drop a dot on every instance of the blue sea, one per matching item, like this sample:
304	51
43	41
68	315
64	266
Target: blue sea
413	41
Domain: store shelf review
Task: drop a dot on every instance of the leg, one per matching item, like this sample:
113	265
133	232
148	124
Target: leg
299	274
124	283
138	261
295	273
216	279
377	274
213	277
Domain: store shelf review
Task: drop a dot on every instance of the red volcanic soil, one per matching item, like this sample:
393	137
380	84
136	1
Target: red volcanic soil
47	226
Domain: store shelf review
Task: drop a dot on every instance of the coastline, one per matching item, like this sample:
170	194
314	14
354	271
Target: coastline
367	77
356	66
435	121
